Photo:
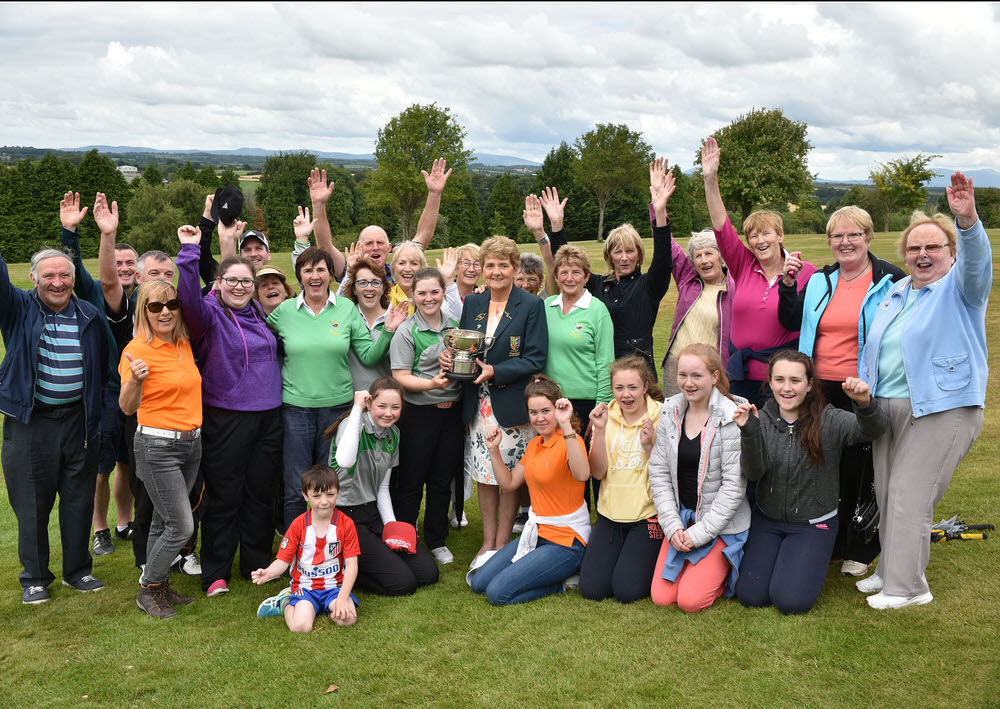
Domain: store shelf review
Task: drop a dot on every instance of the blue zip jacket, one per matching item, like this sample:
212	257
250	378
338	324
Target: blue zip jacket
803	310
944	336
21	322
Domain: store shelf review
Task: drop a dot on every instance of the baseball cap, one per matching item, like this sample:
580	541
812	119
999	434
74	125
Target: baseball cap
227	205
254	234
400	536
271	271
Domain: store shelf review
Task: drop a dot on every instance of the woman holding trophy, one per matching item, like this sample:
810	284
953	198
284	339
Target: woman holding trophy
515	321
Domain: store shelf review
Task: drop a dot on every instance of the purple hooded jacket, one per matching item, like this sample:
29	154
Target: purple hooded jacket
236	352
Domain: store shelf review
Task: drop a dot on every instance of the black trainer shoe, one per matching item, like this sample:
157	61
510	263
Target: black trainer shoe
102	543
85	585
33	595
124	535
153	600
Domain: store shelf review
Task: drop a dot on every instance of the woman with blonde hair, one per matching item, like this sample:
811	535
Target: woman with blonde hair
162	385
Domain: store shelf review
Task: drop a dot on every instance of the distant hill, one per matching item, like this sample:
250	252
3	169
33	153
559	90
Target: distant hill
942	178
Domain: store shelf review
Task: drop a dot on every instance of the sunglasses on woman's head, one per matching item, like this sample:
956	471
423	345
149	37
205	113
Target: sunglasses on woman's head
156	307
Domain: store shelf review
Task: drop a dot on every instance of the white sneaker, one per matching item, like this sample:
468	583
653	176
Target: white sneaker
443	555
872	584
187	565
465	520
572	582
853	568
883	601
452	521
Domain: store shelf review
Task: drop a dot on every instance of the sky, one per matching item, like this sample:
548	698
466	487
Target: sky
873	81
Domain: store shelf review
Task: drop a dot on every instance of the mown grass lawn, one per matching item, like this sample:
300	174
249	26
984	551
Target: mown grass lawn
446	647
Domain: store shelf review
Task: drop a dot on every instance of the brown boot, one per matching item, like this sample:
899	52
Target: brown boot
174	598
153	601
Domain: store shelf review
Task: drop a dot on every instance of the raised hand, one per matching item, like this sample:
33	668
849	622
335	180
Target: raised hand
710	153
351	254
233	232
209	201
553	207
437	177
647	435
534	219
302	225
742	414
660	192
564	413
139	368
599	417
395	316
857	390
680	541
188	234
962	200
492	436
793	264
319	191
657	171
107	219
362	398
70	213
447	264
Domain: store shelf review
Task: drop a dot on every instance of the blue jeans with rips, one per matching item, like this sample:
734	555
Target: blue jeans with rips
539	573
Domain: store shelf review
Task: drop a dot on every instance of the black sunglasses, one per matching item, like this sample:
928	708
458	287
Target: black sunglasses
156	307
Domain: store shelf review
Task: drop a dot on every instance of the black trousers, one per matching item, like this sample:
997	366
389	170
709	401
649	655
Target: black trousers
380	569
142	506
241	464
51	455
620	559
431	452
582	409
856	469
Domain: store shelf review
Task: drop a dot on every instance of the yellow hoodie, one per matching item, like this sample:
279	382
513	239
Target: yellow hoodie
625	494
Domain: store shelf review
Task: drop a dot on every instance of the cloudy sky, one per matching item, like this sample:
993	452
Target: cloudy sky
872	81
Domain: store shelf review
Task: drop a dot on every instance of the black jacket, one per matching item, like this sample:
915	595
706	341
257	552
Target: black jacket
634	300
520	347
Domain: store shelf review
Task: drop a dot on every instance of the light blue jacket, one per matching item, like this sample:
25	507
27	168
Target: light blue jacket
944	336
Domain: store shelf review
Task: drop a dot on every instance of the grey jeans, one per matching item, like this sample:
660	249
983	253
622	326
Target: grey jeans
168	469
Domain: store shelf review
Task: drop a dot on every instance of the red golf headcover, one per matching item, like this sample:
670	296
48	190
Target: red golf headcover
400	536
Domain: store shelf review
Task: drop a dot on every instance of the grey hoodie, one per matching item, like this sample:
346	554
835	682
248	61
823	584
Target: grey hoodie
792	486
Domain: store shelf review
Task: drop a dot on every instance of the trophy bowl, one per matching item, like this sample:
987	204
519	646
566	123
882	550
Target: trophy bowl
465	346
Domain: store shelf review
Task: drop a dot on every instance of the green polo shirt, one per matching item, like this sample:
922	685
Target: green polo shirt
581	348
416	347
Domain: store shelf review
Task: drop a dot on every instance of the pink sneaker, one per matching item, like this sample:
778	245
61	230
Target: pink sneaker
217	588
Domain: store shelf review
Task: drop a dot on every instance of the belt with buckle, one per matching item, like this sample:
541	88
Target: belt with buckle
445	404
169	433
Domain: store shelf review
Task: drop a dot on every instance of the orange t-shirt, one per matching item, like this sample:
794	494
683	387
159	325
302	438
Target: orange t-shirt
171	394
836	349
554	490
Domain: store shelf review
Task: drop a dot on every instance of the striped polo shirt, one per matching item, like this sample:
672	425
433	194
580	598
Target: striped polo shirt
60	358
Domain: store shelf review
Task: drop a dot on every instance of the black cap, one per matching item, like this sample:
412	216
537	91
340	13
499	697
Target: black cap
228	204
254	234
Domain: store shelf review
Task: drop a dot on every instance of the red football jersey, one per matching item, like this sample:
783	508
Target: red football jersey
319	561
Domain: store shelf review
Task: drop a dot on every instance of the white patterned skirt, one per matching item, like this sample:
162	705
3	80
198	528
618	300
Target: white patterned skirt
512	445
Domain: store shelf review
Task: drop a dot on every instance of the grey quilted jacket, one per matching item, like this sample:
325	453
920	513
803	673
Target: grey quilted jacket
722	503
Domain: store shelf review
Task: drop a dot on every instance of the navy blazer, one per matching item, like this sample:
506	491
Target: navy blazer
520	348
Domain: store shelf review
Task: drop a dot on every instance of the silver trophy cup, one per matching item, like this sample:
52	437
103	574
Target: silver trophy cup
465	346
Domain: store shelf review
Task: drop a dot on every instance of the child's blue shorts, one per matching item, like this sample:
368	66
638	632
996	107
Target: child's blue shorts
321	600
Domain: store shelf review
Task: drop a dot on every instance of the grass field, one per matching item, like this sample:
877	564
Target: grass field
446	647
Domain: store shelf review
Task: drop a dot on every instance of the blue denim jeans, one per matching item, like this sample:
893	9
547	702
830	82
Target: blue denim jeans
539	573
304	447
168	469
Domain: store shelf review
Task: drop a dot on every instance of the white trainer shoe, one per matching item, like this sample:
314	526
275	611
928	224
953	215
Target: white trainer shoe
853	568
883	601
872	584
443	555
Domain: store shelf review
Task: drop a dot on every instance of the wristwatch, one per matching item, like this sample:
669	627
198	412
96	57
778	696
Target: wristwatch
569	436
544	240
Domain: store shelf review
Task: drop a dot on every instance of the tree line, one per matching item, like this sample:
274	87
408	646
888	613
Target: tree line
603	173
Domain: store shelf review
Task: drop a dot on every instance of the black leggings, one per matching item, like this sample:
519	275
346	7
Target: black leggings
619	560
380	569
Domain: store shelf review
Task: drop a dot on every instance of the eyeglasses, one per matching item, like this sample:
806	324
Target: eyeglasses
466	264
233	282
854	237
931	249
157	307
373	283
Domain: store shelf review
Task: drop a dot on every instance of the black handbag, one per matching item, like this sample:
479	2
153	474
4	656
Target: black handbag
864	522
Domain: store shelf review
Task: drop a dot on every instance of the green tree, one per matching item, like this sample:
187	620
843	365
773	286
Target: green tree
229	177
154	213
207	178
407	144
465	221
152	175
18	240
987	205
763	160
186	172
343	209
504	208
556	171
97	173
680	208
899	184
612	160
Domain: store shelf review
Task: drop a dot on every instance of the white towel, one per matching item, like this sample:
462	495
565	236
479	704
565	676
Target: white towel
578	521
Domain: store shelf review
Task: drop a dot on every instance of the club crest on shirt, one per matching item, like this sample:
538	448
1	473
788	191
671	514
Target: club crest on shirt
284	543
333	548
515	346
334	327
577	332
388	445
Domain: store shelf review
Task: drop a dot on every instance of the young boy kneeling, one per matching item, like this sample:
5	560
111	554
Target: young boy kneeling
324	544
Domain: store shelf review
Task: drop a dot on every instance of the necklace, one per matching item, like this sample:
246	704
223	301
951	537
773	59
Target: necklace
855	277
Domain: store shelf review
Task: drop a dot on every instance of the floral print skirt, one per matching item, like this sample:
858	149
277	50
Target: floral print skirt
512	445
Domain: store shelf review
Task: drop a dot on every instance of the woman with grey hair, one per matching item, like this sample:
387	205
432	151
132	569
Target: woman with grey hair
704	302
531	275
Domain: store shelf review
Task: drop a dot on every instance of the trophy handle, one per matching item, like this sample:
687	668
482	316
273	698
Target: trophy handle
488	343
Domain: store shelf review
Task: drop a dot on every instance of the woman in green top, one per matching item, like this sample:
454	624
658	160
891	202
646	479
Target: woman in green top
318	329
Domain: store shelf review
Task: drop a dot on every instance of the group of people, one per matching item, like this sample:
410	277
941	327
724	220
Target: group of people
790	395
